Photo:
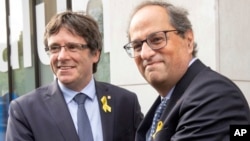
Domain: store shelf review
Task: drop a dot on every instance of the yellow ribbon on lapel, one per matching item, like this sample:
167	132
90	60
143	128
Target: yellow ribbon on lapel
105	106
158	128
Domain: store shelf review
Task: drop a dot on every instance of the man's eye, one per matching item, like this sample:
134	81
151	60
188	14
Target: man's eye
156	39
73	46
53	48
137	46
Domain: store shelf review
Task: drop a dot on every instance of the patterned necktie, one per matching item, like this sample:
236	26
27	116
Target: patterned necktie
84	128
157	116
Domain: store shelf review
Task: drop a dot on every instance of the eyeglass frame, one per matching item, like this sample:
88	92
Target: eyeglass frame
80	47
126	47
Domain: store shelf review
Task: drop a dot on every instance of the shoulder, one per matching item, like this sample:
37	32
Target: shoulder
114	89
33	97
211	79
212	87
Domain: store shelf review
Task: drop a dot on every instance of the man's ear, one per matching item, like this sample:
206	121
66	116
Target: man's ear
189	36
96	55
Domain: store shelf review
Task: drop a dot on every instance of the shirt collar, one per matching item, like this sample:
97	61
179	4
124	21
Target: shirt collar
171	91
169	94
192	61
69	94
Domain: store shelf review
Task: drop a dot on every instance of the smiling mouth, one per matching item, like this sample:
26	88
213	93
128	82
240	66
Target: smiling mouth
65	67
150	64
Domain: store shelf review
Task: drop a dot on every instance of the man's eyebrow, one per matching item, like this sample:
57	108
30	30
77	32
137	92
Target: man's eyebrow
54	44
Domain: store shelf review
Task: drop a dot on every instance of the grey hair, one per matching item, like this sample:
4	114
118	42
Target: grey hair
178	17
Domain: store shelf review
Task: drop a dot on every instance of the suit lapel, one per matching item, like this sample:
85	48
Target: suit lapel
107	117
182	85
180	88
58	109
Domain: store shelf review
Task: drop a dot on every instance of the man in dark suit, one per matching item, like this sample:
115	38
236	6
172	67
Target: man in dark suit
195	103
50	113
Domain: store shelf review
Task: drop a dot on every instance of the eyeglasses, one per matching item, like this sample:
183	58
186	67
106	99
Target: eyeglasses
156	40
71	47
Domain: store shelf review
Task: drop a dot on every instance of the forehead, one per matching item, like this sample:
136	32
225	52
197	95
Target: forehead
64	36
147	20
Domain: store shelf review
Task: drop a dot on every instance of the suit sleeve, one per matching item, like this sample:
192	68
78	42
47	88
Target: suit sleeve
17	127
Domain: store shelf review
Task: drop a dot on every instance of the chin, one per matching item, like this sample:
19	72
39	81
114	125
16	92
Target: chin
65	80
155	79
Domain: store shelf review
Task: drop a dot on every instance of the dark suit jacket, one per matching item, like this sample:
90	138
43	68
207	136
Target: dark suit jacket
202	107
42	115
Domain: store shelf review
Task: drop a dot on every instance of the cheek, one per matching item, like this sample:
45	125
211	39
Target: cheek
53	61
137	61
139	64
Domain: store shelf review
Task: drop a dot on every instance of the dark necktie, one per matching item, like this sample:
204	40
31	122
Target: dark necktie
157	116
84	128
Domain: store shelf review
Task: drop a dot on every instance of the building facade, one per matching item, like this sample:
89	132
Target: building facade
220	27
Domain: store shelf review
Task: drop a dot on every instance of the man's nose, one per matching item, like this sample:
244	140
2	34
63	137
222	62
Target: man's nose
146	51
63	53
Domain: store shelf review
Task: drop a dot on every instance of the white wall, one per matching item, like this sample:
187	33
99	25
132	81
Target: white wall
234	42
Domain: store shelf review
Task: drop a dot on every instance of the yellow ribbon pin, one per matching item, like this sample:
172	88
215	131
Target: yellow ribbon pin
105	106
158	128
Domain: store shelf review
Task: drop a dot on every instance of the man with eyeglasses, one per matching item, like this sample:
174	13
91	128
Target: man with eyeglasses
74	107
195	103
